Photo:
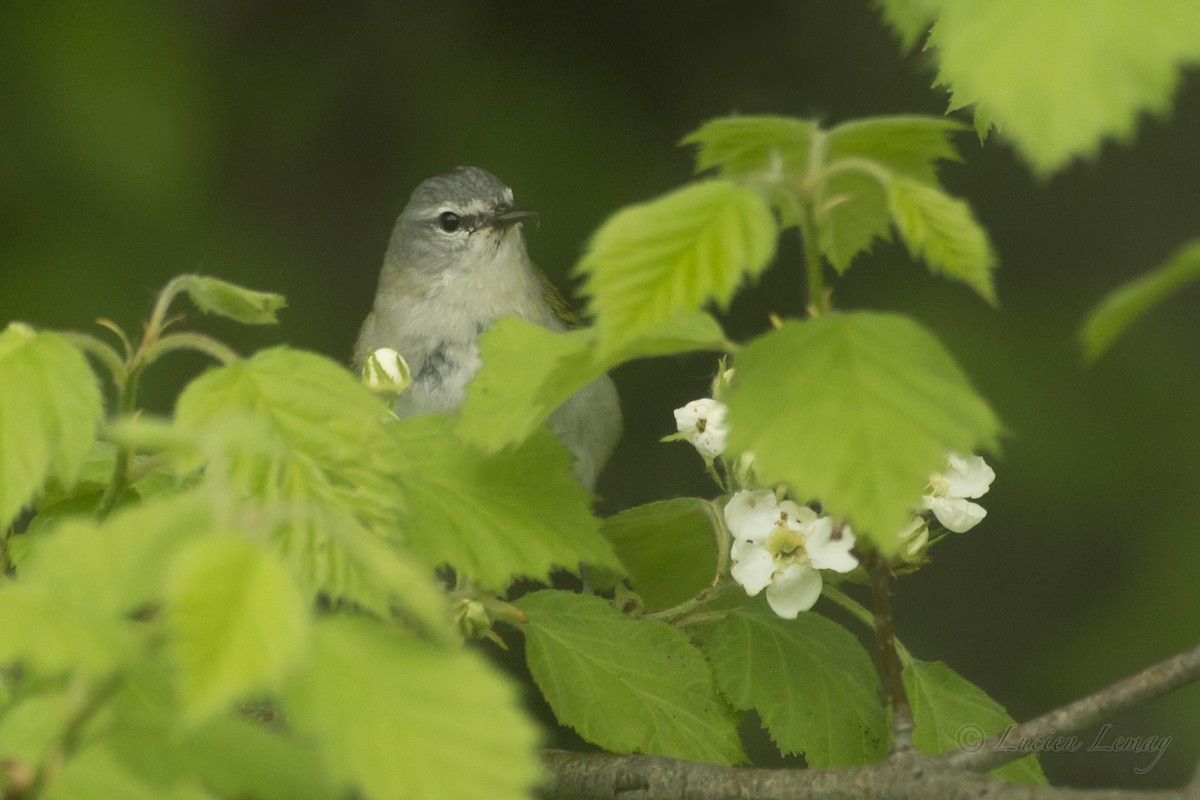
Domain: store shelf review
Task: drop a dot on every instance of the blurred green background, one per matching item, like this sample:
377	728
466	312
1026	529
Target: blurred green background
272	144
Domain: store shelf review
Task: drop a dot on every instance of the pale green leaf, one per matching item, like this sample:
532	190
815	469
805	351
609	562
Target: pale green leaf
50	407
668	548
853	204
1125	304
32	727
909	18
745	145
651	261
70	606
813	684
95	774
1058	78
313	447
215	296
399	718
950	712
942	231
495	518
856	410
626	685
528	371
236	621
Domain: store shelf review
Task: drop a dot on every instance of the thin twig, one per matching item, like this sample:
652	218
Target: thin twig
891	667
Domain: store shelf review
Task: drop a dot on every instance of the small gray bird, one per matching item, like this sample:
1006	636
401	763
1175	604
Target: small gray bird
456	263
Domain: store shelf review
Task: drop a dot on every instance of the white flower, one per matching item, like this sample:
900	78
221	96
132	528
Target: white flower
386	371
702	422
966	478
781	547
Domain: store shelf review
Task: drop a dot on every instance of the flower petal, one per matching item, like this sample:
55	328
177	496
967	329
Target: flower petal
955	513
968	476
752	567
794	590
752	515
825	552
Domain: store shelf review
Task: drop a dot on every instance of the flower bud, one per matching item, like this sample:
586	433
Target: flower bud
386	371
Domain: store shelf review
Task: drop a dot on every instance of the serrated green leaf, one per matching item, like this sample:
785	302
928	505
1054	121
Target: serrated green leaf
668	548
651	261
236	620
942	231
743	145
1058	96
494	518
626	685
302	437
70	606
50	408
909	18
1125	304
399	718
813	684
950	712
854	206
528	371
215	296
856	410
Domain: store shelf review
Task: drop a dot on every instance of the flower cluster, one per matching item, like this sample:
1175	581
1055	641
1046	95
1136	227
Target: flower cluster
781	546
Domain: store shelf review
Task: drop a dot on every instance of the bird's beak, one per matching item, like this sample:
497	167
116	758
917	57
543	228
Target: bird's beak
510	216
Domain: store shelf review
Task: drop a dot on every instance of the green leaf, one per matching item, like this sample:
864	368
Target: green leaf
1125	304
910	19
32	728
942	231
70	606
399	718
236	619
50	408
528	371
215	296
950	712
1057	97
854	206
626	685
494	518
668	548
855	410
95	774
745	145
313	447
649	262
813	684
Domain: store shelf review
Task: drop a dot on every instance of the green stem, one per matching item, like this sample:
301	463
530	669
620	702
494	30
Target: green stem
219	351
119	481
863	615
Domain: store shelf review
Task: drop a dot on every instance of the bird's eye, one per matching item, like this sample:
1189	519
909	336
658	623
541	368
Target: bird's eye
449	221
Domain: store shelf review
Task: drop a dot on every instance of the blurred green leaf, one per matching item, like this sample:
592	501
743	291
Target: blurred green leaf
668	548
225	299
626	685
813	684
95	774
397	717
745	145
651	261
1058	97
907	144
942	231
50	408
528	371
495	518
910	19
69	607
950	711
856	410
236	620
1125	304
